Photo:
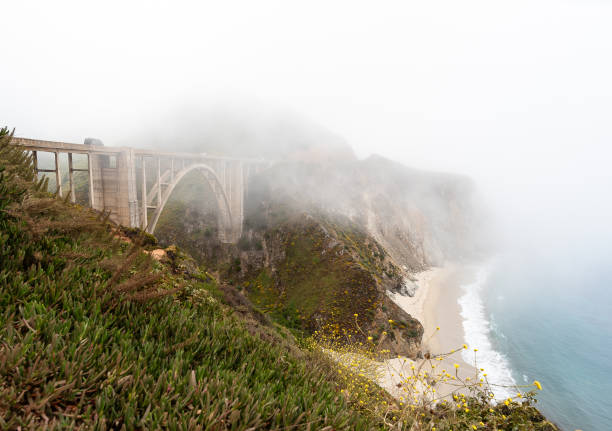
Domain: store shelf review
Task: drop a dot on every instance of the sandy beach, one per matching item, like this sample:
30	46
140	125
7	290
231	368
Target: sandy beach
435	306
441	309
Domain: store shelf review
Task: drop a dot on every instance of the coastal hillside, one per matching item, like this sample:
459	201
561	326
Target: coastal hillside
326	240
99	334
309	270
102	328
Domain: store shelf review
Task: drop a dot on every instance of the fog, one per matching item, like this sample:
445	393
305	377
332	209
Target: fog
516	95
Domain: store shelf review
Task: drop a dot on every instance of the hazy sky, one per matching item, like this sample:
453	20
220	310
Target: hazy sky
517	94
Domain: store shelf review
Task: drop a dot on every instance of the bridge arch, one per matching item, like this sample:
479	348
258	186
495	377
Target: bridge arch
225	220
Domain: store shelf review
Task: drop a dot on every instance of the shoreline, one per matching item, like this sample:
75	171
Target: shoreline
435	304
441	308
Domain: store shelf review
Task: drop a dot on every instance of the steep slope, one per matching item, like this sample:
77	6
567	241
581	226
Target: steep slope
96	334
326	275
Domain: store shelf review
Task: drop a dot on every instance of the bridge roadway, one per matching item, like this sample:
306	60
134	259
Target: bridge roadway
135	184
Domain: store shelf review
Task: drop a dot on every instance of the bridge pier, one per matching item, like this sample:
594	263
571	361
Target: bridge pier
114	187
233	182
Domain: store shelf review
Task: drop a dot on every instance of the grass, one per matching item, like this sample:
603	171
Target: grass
313	281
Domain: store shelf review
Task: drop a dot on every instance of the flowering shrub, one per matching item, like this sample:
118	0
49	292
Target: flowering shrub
434	393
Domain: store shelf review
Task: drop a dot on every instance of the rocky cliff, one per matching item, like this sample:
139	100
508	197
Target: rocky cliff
421	218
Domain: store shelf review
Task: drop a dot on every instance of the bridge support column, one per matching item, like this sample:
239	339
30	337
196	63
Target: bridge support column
129	161
234	187
96	181
114	186
231	177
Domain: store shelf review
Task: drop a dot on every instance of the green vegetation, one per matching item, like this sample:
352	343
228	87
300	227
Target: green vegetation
323	272
320	284
95	333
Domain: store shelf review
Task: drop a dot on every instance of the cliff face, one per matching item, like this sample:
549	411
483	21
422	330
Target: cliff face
327	275
420	218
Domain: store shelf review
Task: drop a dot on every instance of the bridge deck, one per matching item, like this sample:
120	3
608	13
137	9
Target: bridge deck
65	147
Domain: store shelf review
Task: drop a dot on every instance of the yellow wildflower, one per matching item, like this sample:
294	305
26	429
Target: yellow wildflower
537	384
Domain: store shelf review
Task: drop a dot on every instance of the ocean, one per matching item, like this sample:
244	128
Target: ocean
547	317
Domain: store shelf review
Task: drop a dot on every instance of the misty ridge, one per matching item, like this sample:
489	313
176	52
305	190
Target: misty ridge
422	218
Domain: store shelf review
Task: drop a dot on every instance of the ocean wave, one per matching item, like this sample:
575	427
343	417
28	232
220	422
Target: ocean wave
477	330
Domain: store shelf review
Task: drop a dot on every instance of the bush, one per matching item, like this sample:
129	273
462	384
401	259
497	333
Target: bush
428	396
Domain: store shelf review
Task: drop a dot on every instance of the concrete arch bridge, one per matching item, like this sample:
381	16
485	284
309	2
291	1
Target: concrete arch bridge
135	184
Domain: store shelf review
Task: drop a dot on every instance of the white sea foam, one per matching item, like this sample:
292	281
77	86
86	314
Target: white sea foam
477	329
